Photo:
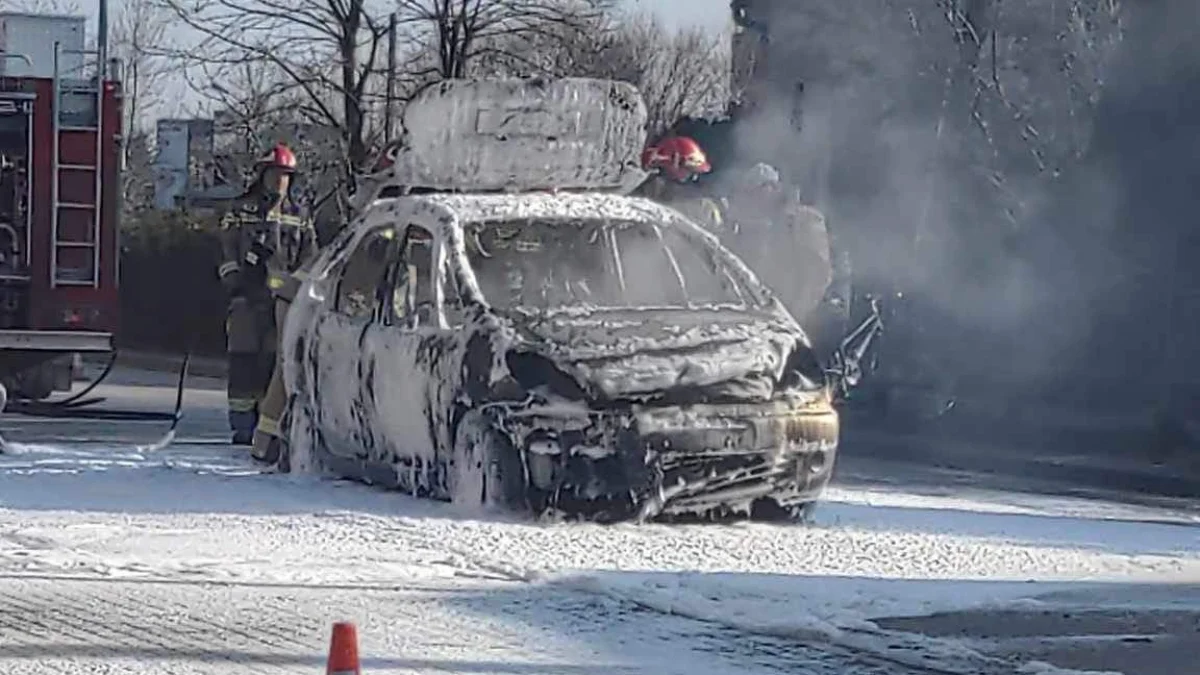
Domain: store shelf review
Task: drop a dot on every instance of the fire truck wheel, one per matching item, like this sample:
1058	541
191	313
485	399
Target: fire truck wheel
36	383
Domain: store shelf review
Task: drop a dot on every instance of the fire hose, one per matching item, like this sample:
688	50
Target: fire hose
77	405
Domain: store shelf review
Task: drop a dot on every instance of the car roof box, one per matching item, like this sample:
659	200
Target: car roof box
518	135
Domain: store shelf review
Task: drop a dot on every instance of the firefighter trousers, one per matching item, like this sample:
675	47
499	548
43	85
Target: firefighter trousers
267	435
251	356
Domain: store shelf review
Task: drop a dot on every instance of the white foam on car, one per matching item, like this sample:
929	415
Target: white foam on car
518	135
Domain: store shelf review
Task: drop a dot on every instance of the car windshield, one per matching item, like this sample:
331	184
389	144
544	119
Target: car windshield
543	264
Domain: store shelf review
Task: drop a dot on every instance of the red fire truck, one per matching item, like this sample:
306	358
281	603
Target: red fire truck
60	170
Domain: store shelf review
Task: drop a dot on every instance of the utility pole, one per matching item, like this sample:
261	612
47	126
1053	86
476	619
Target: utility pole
102	43
390	98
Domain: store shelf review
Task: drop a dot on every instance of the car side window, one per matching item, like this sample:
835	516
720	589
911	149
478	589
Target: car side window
363	272
412	299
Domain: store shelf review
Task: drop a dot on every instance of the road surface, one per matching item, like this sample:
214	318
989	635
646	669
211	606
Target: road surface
188	561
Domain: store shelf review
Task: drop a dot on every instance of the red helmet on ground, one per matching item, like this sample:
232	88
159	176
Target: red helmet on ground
278	157
679	157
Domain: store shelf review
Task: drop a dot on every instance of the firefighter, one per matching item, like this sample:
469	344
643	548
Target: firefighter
783	240
675	164
268	444
265	239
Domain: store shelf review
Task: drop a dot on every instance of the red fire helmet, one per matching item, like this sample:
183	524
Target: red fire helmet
680	157
278	157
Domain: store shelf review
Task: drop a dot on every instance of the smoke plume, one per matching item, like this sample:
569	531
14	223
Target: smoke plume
954	156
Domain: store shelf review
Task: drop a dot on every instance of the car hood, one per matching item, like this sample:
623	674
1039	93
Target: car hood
719	354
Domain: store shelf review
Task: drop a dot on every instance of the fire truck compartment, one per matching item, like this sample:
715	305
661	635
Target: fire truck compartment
15	141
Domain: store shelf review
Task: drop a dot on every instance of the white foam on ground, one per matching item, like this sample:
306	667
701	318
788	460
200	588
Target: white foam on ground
199	514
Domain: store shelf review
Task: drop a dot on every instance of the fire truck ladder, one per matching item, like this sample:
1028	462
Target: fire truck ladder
79	242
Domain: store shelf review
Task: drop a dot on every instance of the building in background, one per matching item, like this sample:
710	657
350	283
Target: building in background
188	171
31	38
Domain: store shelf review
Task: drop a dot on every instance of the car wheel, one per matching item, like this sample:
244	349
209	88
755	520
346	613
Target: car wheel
486	472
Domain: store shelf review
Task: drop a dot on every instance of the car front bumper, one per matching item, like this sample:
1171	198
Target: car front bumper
716	459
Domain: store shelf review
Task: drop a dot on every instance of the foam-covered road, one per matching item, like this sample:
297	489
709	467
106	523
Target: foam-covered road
62	626
188	561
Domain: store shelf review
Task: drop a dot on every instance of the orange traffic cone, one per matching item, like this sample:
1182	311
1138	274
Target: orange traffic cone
343	650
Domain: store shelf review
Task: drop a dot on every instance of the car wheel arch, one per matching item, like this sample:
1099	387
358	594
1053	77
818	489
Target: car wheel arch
501	471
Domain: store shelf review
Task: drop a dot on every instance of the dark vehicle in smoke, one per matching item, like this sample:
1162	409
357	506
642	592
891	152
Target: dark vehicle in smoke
476	336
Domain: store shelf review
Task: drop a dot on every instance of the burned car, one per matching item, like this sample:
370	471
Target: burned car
576	352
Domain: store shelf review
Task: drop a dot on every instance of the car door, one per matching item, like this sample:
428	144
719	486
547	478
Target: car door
337	378
405	352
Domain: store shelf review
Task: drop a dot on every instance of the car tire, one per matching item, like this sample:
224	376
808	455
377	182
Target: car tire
486	472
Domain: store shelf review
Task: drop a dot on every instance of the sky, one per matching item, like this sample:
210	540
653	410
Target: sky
708	13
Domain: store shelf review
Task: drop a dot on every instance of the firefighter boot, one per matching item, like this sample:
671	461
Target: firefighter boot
266	446
241	423
242	398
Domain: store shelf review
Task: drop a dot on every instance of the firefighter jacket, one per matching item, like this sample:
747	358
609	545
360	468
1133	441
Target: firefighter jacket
706	211
709	212
263	250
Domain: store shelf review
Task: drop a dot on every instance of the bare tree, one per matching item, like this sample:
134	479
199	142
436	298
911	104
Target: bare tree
458	34
248	100
139	27
1022	80
684	72
325	51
